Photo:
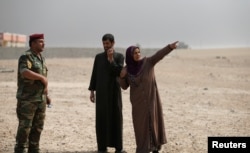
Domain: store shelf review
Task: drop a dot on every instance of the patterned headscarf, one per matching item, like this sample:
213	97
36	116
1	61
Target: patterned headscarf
133	66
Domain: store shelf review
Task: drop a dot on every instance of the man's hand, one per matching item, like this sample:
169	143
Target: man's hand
110	53
48	101
44	80
92	96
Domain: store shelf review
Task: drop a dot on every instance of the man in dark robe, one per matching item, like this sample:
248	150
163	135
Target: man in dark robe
104	83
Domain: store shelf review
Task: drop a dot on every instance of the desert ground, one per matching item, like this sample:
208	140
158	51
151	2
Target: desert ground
203	92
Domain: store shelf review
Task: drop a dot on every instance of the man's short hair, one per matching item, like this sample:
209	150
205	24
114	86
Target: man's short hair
109	37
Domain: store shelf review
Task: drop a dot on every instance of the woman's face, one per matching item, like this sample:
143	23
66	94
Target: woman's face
137	54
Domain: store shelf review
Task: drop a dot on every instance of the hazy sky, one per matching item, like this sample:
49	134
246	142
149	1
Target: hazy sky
150	23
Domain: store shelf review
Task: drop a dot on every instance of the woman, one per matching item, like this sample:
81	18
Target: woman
144	96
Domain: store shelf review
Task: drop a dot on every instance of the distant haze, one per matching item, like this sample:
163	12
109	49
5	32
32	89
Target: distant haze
153	24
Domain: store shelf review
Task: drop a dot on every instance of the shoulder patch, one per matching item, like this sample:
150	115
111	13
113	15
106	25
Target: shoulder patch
29	64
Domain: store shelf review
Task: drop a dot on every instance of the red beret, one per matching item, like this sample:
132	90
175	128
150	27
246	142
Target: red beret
36	36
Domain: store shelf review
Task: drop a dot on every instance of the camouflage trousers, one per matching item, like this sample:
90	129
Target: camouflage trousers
31	117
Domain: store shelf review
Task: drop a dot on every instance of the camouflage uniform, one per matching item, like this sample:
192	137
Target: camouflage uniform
31	103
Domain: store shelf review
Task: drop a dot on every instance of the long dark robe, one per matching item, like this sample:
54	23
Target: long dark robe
147	110
109	120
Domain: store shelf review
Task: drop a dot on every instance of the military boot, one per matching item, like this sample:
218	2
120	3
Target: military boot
33	150
20	150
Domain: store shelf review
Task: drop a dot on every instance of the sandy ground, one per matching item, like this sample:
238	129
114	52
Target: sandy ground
204	93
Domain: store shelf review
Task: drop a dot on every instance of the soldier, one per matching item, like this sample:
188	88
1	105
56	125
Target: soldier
32	96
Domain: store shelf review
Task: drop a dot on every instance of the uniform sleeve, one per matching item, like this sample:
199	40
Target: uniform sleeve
117	64
24	64
92	84
159	55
